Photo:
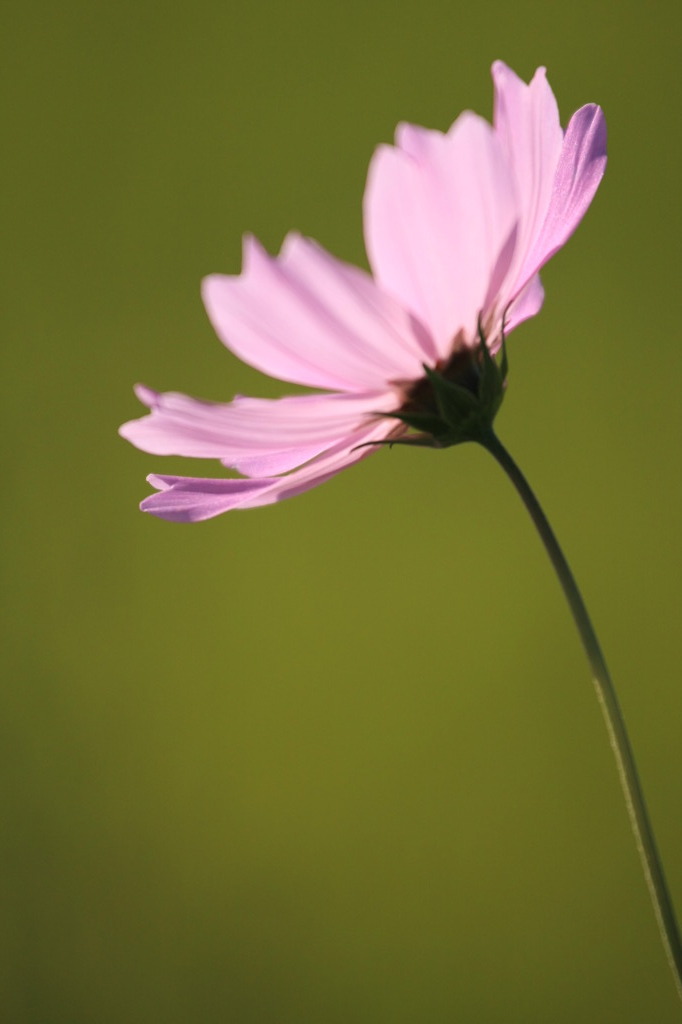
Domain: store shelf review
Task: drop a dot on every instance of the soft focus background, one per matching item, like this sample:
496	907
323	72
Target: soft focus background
339	760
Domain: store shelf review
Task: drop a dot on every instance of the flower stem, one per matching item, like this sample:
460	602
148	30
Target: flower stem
615	724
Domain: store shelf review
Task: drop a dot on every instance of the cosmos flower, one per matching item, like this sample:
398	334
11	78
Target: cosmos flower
457	227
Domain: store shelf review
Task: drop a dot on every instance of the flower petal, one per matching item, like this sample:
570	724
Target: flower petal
579	171
257	436
527	303
187	499
190	500
439	213
526	121
306	317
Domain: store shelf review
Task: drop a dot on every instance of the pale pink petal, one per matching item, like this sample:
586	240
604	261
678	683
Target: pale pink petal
527	304
257	436
579	171
526	120
273	463
379	331
187	499
439	213
308	318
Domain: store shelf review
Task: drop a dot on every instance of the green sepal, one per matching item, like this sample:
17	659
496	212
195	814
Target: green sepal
414	440
492	377
424	421
454	403
460	409
504	361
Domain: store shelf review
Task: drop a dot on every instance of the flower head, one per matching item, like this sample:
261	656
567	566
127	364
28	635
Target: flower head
457	228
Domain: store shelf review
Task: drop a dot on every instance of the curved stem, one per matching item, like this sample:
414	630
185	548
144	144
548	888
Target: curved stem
615	724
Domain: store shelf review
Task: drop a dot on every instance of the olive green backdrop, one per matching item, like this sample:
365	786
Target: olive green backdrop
337	761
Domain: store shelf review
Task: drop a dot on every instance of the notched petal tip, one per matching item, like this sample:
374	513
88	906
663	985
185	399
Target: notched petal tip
208	286
146	395
213	284
161	483
499	70
293	241
588	125
130	430
415	141
501	73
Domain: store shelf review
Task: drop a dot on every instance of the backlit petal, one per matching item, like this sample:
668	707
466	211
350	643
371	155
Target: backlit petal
579	171
257	436
439	214
187	499
528	303
308	318
526	120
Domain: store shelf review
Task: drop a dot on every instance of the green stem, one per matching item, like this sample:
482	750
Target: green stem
615	724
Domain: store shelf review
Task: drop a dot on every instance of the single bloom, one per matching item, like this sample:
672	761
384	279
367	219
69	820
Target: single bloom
457	227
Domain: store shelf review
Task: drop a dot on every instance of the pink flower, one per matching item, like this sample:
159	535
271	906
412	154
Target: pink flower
457	226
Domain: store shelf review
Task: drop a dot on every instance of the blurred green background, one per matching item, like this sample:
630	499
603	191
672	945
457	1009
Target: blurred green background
339	760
